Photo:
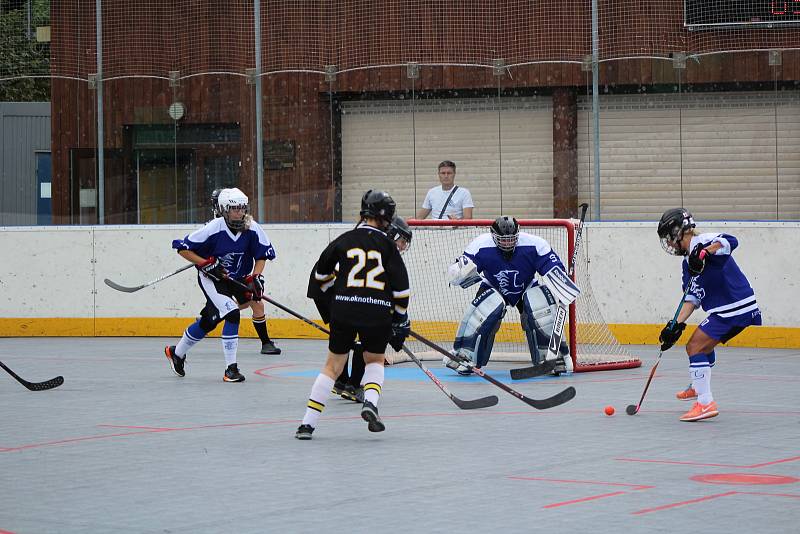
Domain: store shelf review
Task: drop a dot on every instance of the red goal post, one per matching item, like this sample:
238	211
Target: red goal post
436	307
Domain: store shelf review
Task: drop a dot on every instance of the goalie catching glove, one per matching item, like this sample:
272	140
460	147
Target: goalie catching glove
212	268
401	326
256	284
670	334
463	272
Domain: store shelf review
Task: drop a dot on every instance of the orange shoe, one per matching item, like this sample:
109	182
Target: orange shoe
700	412
687	394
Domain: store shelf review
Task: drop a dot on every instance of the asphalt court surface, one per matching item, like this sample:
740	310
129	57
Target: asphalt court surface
124	445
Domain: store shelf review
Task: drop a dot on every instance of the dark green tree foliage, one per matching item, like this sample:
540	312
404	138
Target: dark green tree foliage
21	56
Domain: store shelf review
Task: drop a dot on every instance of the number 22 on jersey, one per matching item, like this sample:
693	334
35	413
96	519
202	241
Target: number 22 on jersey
361	256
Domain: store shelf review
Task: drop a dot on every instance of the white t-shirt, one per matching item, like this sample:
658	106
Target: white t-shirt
436	198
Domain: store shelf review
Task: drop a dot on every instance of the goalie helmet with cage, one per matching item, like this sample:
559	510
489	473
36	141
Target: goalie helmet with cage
378	205
233	206
672	227
400	232
505	233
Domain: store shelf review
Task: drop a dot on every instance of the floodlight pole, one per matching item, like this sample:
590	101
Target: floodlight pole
259	124
101	203
596	110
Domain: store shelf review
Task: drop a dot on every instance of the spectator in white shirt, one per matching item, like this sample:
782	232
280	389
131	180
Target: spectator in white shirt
447	201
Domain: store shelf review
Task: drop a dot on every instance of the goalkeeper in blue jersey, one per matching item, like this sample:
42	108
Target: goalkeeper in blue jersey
506	263
717	285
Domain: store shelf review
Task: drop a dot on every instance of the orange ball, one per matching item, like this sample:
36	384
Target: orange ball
609	410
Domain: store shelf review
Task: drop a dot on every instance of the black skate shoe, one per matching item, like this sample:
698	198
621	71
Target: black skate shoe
175	362
369	413
338	388
232	374
353	394
304	432
268	347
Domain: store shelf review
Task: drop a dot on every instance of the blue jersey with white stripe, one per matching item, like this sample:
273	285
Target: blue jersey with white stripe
236	252
721	288
512	277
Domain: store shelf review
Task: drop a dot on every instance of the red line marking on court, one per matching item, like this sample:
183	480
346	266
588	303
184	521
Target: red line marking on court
74	440
709	497
261	372
684	503
635	487
591	482
5	531
143	430
590	498
790	495
139	427
792	459
752	466
744	479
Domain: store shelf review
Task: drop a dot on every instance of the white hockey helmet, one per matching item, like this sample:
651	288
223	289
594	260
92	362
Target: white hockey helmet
233	199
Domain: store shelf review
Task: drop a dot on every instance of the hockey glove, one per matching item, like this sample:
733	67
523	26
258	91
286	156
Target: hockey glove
670	334
213	269
256	283
697	259
401	326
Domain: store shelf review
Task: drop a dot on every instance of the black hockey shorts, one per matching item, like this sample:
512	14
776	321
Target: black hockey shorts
373	338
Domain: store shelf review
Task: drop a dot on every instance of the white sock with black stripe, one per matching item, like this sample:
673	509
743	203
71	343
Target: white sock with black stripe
320	392
373	382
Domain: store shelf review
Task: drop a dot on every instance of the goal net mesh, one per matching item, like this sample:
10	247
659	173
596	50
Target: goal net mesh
436	307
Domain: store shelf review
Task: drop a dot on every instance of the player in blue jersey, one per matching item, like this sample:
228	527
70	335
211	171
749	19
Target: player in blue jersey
718	286
259	315
506	262
230	253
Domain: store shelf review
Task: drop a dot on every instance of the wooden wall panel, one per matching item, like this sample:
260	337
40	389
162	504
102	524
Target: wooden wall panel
296	105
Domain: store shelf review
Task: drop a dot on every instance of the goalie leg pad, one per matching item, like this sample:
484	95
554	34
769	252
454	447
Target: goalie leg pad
529	327
475	336
540	308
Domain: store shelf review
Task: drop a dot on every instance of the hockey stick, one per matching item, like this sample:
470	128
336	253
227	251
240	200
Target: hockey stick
634	409
539	404
35	386
483	402
114	285
558	325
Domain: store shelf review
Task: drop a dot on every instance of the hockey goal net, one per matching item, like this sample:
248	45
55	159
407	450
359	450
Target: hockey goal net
436	307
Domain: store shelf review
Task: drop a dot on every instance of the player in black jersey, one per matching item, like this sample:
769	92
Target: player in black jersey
368	298
348	385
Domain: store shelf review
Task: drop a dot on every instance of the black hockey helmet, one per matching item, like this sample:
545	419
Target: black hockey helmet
399	229
672	226
215	202
505	233
378	205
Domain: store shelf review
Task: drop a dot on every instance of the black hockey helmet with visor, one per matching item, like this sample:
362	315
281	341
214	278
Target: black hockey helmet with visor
672	227
378	205
400	232
505	233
